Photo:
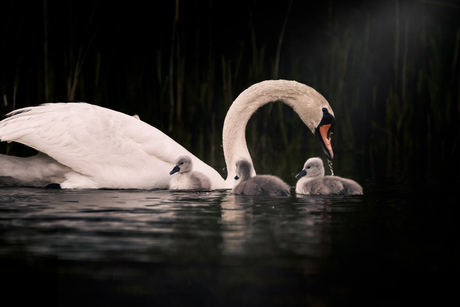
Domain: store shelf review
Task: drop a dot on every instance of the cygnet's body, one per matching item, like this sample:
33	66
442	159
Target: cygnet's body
265	185
185	178
313	182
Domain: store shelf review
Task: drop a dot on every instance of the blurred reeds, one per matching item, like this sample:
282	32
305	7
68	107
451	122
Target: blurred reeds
391	76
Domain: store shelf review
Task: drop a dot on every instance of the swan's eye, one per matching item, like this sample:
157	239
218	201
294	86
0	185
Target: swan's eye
308	167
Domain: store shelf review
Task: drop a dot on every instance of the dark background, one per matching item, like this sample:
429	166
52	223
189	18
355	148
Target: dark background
389	69
391	72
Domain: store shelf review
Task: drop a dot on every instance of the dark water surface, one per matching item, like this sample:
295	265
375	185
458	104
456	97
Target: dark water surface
162	248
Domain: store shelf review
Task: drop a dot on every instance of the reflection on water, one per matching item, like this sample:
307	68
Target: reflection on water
158	248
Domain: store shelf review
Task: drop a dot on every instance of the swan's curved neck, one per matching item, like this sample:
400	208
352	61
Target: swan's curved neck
305	101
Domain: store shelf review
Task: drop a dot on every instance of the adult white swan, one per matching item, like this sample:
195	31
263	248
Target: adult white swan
87	146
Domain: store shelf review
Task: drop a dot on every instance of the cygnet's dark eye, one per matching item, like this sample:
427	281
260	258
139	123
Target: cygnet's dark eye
181	163
308	166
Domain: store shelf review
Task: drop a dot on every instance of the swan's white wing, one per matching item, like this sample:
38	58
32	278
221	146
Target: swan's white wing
104	148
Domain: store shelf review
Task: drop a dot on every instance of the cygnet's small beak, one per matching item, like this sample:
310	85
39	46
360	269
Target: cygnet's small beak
301	174
174	170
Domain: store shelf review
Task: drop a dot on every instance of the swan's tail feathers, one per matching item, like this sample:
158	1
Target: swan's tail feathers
36	171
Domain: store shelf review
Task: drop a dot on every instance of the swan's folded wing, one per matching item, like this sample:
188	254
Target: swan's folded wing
352	187
91	140
74	133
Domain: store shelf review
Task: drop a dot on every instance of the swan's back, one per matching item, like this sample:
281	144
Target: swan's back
328	185
263	185
350	187
104	148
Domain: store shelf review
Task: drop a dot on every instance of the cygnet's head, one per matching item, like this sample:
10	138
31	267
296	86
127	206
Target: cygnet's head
243	169
314	167
183	165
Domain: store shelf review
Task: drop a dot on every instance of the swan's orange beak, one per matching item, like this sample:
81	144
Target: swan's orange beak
323	133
